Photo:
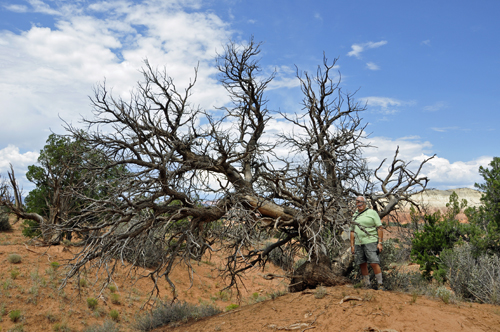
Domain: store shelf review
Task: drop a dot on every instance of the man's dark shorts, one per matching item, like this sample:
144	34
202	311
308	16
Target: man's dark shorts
366	253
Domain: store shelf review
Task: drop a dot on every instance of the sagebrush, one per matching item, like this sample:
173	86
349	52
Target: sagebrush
167	313
470	276
5	225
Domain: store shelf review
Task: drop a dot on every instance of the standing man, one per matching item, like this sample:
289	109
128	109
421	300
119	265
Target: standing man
366	241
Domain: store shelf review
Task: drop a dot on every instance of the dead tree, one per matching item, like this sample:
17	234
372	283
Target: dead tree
202	180
10	196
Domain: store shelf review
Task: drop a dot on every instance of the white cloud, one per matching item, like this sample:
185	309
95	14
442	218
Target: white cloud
426	42
16	8
372	66
385	105
446	129
442	173
48	73
447	175
41	7
11	155
437	106
357	49
383	102
285	78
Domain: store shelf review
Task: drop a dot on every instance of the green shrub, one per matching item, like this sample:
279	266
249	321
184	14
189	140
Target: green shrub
232	307
405	281
108	326
54	265
115	315
486	218
17	328
115	298
256	297
440	232
83	283
167	313
320	292
61	327
14	258
444	294
5	225
276	293
14	274
112	288
222	295
31	228
51	318
92	302
15	315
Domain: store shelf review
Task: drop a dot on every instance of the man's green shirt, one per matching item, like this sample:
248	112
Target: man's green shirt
370	220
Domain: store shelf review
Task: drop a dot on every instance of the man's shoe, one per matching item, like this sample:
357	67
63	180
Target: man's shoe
381	287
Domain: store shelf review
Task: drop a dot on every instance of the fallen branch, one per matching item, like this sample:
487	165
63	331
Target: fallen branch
296	326
270	276
350	298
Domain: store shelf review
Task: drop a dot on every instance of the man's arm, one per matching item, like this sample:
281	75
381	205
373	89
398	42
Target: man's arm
380	232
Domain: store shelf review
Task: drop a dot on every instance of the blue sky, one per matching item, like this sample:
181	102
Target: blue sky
428	70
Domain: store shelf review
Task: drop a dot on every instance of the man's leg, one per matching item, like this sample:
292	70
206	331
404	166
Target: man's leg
363	265
374	261
378	274
365	276
375	267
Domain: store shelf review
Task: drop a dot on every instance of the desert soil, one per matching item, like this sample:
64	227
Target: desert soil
368	310
32	286
44	307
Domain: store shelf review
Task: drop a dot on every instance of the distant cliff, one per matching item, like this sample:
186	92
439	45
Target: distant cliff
437	199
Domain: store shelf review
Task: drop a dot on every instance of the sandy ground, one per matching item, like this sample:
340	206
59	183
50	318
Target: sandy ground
345	308
361	310
32	286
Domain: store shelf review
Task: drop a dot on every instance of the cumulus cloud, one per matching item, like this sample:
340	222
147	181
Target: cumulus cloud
47	73
372	66
459	174
357	49
11	155
442	173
